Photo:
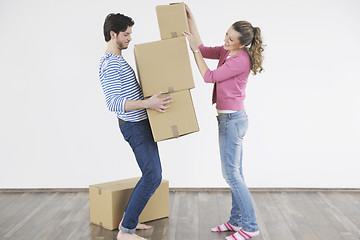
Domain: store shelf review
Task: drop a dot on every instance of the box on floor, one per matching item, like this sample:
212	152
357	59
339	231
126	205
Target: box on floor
107	202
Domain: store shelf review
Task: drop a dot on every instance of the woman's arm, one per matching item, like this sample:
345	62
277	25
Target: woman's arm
195	41
200	62
232	67
193	28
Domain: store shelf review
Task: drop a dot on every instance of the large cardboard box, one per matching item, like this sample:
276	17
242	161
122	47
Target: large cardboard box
163	66
108	202
172	20
178	120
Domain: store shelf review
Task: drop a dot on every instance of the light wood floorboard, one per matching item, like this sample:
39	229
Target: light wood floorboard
281	215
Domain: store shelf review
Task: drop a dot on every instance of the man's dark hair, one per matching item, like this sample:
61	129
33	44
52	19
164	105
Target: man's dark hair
116	23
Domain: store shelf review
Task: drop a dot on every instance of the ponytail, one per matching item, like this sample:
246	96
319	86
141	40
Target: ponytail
250	35
255	52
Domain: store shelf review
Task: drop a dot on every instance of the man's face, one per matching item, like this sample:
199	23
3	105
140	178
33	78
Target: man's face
123	39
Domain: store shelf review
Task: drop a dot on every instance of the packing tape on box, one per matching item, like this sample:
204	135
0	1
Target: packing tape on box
170	89
175	131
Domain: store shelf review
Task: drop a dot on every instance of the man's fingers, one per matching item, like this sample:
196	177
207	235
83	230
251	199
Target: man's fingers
158	94
162	109
167	101
167	98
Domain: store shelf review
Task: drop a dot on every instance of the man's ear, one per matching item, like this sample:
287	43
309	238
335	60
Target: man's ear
112	34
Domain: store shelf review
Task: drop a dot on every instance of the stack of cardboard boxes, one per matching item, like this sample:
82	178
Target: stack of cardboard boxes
162	66
165	66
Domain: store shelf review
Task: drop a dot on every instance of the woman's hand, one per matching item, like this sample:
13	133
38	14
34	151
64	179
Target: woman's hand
194	39
193	34
190	16
194	44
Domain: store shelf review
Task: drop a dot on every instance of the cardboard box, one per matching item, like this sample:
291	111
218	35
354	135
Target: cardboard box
172	20
164	66
108	202
178	120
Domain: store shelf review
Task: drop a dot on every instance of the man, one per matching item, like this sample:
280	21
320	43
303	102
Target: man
124	97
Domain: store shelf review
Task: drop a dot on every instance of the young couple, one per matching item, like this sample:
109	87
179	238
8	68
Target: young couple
240	54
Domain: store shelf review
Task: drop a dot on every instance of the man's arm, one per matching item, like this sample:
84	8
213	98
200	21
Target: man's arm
154	103
116	103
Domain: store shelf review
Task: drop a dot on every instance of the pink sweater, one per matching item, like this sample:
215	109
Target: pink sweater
230	77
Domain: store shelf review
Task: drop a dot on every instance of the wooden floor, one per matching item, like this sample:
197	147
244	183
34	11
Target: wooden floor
282	215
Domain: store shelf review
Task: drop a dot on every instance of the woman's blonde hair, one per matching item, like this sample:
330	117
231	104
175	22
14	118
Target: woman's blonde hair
250	35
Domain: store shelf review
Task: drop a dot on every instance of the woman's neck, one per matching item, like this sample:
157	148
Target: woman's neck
232	53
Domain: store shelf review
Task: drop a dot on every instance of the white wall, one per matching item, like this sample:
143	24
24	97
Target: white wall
304	131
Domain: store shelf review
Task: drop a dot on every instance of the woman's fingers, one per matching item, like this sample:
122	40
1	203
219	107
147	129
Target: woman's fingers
187	34
187	9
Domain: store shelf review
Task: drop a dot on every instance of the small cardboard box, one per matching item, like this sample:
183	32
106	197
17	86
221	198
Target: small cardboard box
163	66
172	20
178	120
107	202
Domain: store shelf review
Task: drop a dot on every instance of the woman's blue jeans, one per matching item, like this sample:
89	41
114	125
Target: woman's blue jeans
232	129
140	138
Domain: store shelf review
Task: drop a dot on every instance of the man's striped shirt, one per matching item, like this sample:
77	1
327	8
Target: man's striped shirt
119	84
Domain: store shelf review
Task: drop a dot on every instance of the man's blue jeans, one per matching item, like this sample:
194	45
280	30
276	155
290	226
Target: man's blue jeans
232	129
140	138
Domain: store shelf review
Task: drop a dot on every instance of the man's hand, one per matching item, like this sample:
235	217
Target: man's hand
157	103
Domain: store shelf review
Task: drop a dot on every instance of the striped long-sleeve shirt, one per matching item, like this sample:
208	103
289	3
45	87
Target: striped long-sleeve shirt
119	84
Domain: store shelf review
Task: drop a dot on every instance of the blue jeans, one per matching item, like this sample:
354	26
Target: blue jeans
232	129
140	138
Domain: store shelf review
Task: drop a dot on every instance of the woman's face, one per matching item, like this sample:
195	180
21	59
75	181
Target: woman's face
231	40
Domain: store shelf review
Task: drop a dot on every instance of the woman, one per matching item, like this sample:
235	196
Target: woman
240	54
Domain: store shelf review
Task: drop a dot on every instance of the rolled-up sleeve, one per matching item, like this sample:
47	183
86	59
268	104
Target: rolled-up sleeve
210	52
228	70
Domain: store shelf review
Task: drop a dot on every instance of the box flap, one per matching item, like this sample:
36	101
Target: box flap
117	185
